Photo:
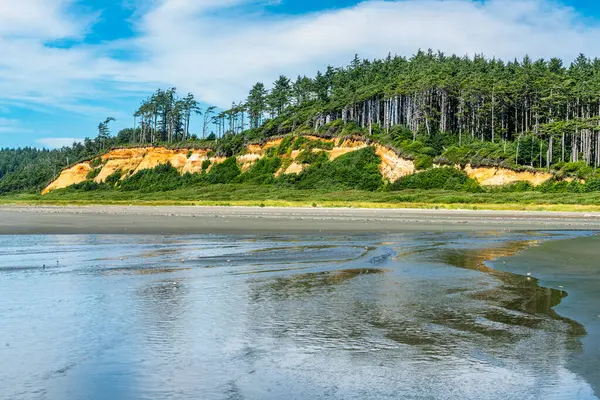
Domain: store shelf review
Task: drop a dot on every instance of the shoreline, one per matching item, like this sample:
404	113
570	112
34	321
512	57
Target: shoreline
37	219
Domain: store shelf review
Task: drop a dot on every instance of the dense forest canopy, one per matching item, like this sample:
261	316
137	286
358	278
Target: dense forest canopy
536	113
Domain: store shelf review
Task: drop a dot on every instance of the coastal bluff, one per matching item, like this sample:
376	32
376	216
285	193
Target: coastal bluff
392	167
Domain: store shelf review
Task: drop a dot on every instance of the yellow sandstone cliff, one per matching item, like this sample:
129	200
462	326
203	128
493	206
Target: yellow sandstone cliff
492	176
392	167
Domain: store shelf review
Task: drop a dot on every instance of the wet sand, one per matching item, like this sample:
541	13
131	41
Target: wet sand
189	219
570	266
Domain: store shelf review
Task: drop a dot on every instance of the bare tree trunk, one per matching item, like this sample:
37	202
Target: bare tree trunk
493	136
518	144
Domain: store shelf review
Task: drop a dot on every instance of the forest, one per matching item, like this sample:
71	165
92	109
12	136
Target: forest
431	107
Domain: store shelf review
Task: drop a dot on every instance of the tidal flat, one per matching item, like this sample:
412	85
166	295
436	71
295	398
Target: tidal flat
481	314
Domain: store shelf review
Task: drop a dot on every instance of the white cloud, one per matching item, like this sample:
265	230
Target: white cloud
217	51
219	56
56	143
37	19
33	71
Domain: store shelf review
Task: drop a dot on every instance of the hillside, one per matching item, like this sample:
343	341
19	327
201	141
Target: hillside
288	156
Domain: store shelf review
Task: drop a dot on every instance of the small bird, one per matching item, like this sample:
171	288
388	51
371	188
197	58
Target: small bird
121	258
529	274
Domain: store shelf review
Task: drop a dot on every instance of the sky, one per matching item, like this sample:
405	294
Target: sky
66	65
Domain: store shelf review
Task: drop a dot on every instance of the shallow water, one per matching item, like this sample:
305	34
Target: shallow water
419	315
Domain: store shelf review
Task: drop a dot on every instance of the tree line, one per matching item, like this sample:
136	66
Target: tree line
472	98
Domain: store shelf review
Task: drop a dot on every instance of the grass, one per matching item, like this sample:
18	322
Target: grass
277	196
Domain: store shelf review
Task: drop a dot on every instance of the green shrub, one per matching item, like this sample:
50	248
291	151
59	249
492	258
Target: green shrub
333	128
261	172
400	134
96	162
230	145
520	186
86	186
285	145
554	186
189	154
471	186
319	144
311	157
578	170
437	178
423	162
224	172
158	179
93	173
351	128
415	147
577	187
456	155
301	141
304	143
113	178
356	170
593	185
560	187
206	165
429	151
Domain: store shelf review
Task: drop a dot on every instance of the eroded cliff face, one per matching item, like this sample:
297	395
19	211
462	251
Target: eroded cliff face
130	161
491	176
347	146
392	167
69	176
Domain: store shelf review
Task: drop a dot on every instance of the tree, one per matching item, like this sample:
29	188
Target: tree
190	105
104	131
209	111
280	95
257	104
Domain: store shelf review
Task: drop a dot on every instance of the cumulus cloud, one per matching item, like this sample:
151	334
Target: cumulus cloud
216	50
35	71
58	142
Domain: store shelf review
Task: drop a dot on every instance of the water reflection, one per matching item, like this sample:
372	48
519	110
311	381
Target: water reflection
302	285
521	297
345	317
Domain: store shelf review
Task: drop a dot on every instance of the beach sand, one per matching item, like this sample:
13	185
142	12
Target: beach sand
19	219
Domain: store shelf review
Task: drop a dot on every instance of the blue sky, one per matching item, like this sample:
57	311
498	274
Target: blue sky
68	64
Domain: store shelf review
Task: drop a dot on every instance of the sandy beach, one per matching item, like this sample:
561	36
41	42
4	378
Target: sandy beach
17	219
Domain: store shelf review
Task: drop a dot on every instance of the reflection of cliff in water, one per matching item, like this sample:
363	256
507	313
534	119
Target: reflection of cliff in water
300	285
517	294
410	309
